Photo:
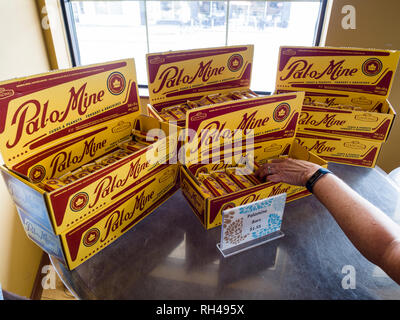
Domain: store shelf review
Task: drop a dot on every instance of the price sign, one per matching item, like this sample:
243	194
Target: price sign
252	224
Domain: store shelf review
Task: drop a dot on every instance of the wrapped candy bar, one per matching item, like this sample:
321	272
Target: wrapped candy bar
92	167
239	179
68	178
53	184
143	136
212	184
243	171
167	116
133	145
227	183
178	113
204	191
120	154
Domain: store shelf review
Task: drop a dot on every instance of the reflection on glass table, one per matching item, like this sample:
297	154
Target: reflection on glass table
169	255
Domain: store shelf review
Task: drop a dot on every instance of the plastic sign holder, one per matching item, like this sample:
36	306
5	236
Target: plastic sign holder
250	225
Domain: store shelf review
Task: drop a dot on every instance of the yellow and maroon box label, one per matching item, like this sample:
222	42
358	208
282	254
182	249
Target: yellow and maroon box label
230	125
351	123
360	101
67	106
341	149
316	69
177	76
109	224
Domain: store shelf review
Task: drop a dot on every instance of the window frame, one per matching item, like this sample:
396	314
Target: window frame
72	38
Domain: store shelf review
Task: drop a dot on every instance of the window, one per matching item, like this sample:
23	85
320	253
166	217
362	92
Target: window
107	30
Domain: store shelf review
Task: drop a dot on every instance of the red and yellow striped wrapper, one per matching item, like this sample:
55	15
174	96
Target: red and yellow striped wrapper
178	113
205	191
167	116
53	184
239	179
248	174
212	184
227	183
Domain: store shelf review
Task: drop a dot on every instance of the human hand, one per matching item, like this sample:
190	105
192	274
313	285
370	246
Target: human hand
291	171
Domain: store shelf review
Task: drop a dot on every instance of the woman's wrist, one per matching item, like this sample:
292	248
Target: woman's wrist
309	172
315	178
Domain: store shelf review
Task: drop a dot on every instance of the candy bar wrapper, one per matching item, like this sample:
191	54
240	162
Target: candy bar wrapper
76	172
187	106
68	178
248	174
205	191
249	94
92	167
240	180
227	183
133	145
203	102
108	160
218	98
212	184
235	95
191	104
143	136
53	184
178	113
82	173
167	116
120	154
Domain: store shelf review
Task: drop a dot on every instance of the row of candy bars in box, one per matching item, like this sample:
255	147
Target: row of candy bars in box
231	179
139	141
178	112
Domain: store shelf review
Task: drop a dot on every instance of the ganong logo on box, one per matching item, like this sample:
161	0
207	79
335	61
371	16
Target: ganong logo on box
5	93
79	201
281	112
116	83
372	67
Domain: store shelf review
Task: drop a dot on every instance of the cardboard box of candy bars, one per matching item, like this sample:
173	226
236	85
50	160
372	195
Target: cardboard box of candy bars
220	136
179	81
213	188
79	164
346	91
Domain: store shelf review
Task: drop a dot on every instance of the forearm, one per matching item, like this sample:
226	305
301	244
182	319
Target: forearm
371	231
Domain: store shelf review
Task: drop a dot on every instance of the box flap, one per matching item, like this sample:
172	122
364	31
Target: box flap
238	123
176	76
36	112
368	71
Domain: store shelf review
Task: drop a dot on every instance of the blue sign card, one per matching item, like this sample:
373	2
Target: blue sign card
251	225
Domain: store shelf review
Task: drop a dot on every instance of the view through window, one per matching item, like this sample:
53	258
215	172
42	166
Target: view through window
110	30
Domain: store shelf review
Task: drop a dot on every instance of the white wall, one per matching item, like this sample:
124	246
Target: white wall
22	53
377	26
